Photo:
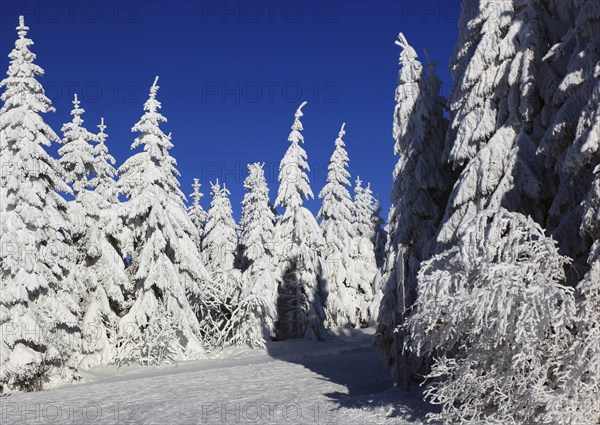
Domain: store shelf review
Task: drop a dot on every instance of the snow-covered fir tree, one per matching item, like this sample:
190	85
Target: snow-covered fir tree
379	234
367	219
219	248
368	236
418	195
77	152
220	241
495	314
101	261
299	244
39	329
578	400
258	300
349	294
494	110
166	271
77	158
570	78
196	212
362	211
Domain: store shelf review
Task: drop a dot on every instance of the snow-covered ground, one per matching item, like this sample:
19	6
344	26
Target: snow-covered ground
339	381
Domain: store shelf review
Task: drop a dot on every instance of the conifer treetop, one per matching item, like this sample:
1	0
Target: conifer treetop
22	29
196	195
294	184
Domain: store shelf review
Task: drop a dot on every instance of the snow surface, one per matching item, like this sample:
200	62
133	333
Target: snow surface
340	380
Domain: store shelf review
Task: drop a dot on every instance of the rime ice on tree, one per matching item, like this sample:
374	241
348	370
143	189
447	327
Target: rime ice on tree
350	287
196	212
35	253
165	270
258	299
418	193
299	244
101	262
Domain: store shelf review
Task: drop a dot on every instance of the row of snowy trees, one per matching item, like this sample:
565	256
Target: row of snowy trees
126	272
492	272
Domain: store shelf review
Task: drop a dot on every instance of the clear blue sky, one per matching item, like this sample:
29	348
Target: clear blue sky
233	73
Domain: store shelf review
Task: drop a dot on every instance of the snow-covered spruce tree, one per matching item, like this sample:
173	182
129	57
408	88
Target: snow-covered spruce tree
579	398
570	71
419	192
77	152
495	313
219	247
39	328
494	111
379	234
349	293
363	249
101	262
367	219
220	241
196	212
362	211
165	270
257	307
77	159
299	245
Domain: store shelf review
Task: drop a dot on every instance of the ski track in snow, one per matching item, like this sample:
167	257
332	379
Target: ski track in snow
339	381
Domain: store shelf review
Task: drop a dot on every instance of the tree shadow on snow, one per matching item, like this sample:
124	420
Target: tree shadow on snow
349	360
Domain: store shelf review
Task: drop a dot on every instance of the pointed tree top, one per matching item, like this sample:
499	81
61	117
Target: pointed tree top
22	29
297	125
77	112
407	51
299	110
101	126
358	181
154	88
342	131
196	195
255	166
430	65
102	136
225	191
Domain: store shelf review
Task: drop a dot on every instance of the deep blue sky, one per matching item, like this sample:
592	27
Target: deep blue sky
233	73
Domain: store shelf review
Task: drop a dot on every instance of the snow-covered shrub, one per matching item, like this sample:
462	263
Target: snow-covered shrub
157	344
31	377
495	315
